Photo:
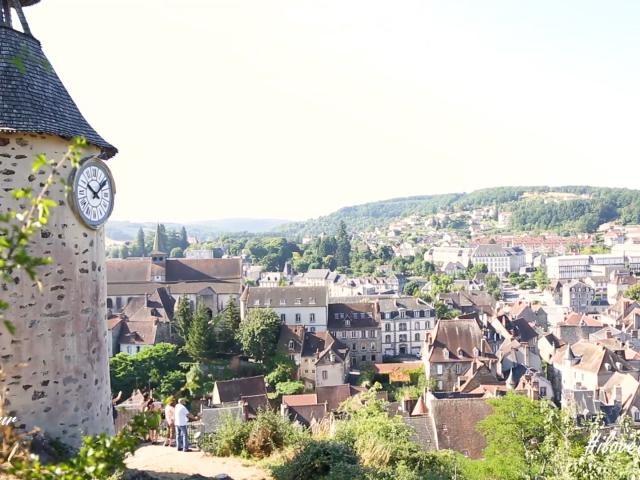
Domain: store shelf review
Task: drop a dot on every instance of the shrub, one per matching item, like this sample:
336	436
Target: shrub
270	432
289	388
259	438
229	439
283	370
323	460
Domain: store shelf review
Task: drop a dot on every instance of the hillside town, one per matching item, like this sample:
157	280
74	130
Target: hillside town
559	326
394	331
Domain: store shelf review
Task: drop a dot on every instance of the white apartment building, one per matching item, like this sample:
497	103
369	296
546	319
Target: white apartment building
568	266
405	322
498	259
296	306
565	267
444	255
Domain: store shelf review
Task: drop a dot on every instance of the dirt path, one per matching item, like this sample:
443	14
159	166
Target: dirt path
166	462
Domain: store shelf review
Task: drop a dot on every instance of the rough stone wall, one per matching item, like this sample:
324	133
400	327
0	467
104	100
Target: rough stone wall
56	365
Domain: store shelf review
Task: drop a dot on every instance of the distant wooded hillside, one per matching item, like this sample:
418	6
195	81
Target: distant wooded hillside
568	209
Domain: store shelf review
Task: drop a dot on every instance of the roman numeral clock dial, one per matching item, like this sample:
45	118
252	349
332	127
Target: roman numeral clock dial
93	193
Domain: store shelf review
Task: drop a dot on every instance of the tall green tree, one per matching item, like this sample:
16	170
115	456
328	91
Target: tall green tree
163	241
514	432
183	317
184	239
124	251
226	326
258	333
343	246
493	285
201	340
541	279
140	243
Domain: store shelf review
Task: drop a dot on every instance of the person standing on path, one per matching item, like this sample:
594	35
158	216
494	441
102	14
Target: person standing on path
170	418
182	420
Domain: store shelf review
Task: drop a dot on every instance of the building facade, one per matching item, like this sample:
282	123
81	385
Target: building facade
578	296
358	326
322	359
296	306
498	259
451	350
213	282
405	322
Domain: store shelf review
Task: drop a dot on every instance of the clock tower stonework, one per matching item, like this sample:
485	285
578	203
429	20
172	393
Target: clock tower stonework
56	364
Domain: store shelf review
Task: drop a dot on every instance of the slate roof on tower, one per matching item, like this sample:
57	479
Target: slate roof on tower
32	98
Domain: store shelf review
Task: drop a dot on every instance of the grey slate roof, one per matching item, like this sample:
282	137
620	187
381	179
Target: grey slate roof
234	390
32	97
360	315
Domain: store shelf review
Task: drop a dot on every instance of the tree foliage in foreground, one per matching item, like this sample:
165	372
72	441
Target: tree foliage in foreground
258	333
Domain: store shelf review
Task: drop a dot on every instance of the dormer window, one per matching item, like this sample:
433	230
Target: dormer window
402	313
298	301
256	303
312	301
445	353
283	301
291	345
459	352
347	322
476	352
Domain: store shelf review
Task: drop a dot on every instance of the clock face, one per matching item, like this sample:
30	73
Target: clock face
93	193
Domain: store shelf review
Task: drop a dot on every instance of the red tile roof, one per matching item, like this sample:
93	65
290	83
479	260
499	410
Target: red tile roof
299	400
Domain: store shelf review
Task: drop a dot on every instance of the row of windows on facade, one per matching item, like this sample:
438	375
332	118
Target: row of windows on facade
403	314
460	353
283	301
356	334
363	358
383	315
298	317
403	338
372	346
402	327
440	369
323	373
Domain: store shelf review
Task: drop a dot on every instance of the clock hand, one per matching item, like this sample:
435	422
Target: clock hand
102	184
95	194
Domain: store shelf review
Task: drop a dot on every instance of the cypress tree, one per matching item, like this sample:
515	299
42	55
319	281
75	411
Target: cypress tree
184	239
343	250
142	248
183	317
200	339
163	241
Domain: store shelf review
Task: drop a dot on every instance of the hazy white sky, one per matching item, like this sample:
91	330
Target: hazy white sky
294	108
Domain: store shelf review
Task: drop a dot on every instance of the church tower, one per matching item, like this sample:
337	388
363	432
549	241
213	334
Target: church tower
56	363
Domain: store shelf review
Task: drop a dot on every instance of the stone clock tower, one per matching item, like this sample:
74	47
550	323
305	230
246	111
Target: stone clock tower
56	364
